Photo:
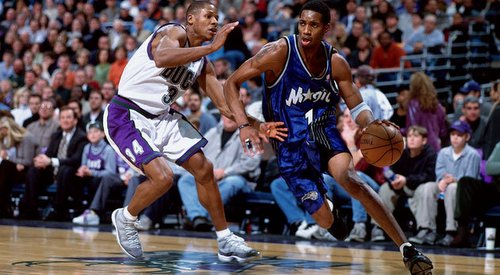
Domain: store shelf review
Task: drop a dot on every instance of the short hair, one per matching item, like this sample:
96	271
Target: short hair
419	130
66	108
471	99
35	95
320	7
196	6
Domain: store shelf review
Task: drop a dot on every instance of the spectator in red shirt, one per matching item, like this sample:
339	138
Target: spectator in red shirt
388	54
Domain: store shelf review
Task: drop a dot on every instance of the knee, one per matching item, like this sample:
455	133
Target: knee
278	185
205	173
162	178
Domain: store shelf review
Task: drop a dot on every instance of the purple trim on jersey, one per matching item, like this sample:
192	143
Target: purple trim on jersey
128	104
193	150
150	53
123	133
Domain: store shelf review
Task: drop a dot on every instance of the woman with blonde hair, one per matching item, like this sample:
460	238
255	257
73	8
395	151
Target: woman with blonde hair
425	110
17	150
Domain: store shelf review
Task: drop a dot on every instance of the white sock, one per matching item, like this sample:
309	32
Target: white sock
223	233
402	247
330	204
127	215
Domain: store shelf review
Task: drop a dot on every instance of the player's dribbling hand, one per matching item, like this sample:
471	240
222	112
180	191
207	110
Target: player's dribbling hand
276	130
221	35
380	122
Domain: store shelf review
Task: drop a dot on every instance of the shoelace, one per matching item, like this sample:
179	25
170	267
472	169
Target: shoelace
132	234
235	241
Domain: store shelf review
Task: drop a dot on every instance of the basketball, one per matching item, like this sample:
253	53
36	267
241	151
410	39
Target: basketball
381	144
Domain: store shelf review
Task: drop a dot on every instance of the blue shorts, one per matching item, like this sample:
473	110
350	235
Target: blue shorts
302	165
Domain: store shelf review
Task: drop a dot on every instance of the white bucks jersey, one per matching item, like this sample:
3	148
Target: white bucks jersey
153	88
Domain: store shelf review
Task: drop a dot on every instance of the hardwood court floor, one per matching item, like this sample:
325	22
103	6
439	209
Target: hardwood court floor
38	250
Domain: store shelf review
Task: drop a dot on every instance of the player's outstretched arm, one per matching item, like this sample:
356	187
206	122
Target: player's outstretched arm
213	88
348	91
270	60
167	47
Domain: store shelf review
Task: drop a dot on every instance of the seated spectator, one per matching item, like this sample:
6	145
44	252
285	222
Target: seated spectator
429	38
17	149
471	115
99	171
425	110
374	98
60	162
391	26
6	68
45	126
207	121
492	131
472	88
474	197
21	110
453	163
231	169
411	176
399	115
34	102
103	66
388	54
117	67
352	39
96	112
363	52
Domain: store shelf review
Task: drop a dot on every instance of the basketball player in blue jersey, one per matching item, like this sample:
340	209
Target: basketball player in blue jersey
305	80
145	131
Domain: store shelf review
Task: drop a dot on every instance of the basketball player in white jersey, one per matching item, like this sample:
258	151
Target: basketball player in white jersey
145	131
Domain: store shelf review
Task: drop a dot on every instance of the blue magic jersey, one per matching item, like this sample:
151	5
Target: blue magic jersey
307	105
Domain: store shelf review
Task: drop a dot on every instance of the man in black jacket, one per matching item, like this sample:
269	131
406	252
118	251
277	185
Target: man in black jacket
60	162
412	175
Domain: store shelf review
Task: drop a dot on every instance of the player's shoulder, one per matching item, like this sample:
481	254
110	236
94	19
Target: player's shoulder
173	31
274	49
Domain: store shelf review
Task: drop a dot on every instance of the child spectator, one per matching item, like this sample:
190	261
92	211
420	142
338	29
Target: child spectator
453	163
99	170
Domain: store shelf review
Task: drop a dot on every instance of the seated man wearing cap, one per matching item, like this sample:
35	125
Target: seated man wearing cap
453	162
471	88
98	170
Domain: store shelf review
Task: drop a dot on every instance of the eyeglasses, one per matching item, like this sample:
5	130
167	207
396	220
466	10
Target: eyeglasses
46	106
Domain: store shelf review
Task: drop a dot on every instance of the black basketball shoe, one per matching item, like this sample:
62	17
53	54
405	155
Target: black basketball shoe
416	262
339	227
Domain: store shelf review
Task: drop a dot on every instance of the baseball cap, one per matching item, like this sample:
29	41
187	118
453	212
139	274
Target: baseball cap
125	5
461	126
470	86
95	124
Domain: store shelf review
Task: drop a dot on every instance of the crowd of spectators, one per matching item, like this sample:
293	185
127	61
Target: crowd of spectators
62	61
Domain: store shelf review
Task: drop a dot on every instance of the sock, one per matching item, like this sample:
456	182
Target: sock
222	233
401	248
127	214
330	204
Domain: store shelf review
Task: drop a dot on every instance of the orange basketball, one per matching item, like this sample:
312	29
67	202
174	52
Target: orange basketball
381	144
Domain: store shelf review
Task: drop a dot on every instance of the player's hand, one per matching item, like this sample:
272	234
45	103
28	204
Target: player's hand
251	141
221	35
274	130
380	122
